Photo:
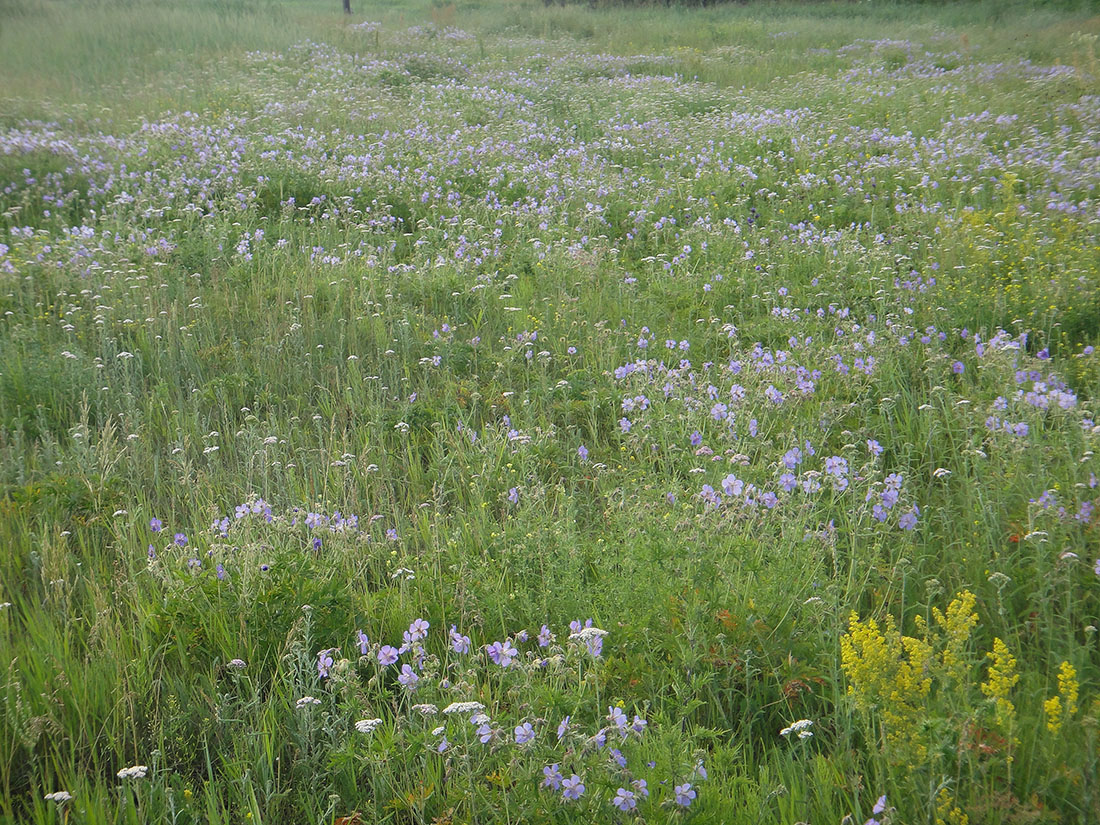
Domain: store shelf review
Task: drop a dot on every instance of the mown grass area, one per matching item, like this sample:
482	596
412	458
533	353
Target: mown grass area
508	413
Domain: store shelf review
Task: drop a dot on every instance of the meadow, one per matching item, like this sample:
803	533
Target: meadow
504	413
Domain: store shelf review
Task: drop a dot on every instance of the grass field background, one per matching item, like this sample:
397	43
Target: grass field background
493	412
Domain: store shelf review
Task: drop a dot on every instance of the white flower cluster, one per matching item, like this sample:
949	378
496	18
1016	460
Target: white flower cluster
464	707
306	701
134	772
801	727
60	797
367	725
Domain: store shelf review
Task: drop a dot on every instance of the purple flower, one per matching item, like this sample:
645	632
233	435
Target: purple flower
156	525
582	453
873	447
880	805
418	630
513	495
484	733
545	637
624	800
443	745
324	662
180	539
616	716
617	755
638	725
684	794
624	424
524	733
563	726
220	571
387	655
1096	568
459	643
408	677
641	788
572	788
909	520
958	367
552	776
502	653
361	637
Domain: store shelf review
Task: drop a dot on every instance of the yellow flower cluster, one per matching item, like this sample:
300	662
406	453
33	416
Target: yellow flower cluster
947	812
1002	678
1064	705
957	625
889	673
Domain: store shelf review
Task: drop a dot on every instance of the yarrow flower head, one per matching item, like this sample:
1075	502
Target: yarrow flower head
60	797
367	725
801	728
306	702
134	772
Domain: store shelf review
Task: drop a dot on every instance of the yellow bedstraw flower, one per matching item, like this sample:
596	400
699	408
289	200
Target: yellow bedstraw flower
1064	705
957	625
1002	678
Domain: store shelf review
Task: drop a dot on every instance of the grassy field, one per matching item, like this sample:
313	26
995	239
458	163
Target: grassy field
500	413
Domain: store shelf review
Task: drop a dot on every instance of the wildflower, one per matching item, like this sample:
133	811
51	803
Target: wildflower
180	539
484	733
367	725
464	707
582	453
638	725
156	525
563	727
324	662
801	727
641	788
134	772
236	664
874	448
572	788
408	677
617	756
443	745
908	520
880	805
616	716
306	701
418	630
684	794
60	797
426	709
524	733
700	771
361	637
552	777
1064	705
624	800
387	655
459	643
513	495
958	368
502	653
1002	677
545	637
